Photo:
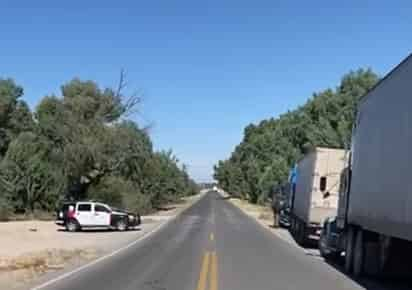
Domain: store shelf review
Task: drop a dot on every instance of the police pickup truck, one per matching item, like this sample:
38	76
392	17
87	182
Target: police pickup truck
75	216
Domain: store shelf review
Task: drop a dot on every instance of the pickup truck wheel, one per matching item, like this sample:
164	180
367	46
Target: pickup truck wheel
72	225
350	243
121	225
358	255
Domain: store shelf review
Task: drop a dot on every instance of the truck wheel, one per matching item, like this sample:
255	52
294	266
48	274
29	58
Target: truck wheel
358	255
291	226
297	231
72	225
121	225
295	228
350	243
301	239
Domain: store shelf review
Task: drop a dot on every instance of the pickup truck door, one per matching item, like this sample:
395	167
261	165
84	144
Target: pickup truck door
101	215
84	214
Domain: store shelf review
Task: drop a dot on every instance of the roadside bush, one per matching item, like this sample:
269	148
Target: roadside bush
121	193
139	203
110	190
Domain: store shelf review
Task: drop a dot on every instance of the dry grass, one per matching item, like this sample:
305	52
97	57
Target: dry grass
45	260
266	216
260	212
16	272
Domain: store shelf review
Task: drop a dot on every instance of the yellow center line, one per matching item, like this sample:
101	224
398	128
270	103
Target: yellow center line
201	285
213	272
212	237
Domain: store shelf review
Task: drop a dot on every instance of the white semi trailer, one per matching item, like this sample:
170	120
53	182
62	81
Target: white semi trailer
373	226
315	195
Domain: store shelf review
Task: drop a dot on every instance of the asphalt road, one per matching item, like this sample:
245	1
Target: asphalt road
212	245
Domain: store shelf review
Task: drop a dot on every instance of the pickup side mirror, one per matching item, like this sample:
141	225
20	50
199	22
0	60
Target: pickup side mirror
323	183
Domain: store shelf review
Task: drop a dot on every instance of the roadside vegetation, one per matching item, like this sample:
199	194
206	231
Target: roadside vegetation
81	145
269	149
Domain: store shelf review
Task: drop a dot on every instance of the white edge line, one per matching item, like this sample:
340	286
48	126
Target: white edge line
145	236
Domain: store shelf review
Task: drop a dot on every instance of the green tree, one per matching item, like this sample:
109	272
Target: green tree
15	115
27	177
270	148
81	145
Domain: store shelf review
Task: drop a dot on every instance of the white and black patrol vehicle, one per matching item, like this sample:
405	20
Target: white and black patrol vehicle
75	216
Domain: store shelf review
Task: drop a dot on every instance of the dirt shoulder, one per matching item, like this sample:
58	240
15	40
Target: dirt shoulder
30	249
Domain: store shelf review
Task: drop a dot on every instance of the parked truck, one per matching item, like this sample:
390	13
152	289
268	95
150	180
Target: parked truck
373	226
315	194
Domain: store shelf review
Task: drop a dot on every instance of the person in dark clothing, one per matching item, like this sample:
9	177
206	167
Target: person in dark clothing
275	214
276	205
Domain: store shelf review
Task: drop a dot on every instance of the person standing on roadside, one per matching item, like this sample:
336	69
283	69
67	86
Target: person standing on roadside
276	207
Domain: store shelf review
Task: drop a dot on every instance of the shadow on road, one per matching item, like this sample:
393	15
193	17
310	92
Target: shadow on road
376	283
401	282
223	197
165	208
86	231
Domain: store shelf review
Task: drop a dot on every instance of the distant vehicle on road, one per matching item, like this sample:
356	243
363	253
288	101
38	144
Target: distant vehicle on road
373	226
315	196
81	215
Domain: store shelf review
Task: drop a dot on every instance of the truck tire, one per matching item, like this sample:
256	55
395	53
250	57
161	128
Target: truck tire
72	225
359	254
350	244
297	230
121	225
292	227
302	234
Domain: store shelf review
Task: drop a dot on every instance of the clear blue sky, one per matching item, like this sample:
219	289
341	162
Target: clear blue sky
208	68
